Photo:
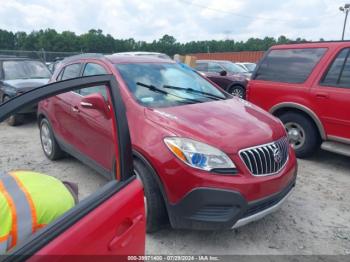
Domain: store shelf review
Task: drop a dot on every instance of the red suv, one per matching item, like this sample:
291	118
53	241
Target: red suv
206	160
308	87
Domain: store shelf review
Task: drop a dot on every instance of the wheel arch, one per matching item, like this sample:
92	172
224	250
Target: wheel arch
281	108
137	155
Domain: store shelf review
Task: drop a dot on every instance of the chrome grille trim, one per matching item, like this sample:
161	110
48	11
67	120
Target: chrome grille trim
260	160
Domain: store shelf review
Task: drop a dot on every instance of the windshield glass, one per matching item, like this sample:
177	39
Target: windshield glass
232	68
250	67
162	76
25	70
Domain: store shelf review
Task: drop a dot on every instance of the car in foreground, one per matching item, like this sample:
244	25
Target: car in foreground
20	75
308	87
207	160
229	76
111	221
249	67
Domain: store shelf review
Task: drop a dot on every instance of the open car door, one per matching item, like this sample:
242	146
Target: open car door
111	221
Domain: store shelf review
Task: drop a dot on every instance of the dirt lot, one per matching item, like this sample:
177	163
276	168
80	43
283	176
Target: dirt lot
315	219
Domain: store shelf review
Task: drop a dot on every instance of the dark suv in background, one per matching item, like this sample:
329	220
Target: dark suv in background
17	76
226	74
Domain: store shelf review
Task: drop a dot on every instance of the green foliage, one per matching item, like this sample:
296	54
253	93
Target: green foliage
96	41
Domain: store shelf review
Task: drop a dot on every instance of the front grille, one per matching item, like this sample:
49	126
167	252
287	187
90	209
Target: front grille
266	159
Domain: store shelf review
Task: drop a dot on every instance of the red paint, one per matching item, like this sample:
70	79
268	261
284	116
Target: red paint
330	104
229	125
117	227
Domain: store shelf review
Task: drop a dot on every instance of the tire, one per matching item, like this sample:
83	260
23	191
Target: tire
237	90
48	142
155	207
308	140
13	120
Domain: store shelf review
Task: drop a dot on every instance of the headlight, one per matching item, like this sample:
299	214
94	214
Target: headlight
198	155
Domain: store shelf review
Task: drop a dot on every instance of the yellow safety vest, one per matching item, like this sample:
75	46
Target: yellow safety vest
29	201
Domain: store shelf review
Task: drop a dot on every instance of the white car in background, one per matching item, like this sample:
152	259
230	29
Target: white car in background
152	54
247	66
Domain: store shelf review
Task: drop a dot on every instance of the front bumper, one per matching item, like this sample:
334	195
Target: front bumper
215	209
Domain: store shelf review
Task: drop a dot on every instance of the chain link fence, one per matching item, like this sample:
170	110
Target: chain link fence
45	56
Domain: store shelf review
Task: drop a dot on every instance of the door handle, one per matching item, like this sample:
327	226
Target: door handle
75	109
123	238
322	95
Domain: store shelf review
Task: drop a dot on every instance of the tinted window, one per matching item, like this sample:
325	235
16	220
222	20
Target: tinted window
202	67
333	73
289	65
94	69
213	67
71	71
344	80
25	70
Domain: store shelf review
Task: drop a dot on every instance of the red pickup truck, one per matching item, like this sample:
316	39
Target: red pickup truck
307	86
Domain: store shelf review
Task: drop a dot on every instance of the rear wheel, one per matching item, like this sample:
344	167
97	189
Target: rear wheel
14	120
48	142
237	90
302	134
155	207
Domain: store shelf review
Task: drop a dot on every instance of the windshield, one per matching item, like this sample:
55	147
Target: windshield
162	76
250	67
25	70
232	68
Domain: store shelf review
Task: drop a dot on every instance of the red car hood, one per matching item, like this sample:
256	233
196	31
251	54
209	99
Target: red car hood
230	124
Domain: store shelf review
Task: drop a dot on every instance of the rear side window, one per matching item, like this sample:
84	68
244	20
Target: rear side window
289	65
71	71
338	74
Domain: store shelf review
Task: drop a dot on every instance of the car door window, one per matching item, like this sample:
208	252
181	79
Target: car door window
213	67
92	69
71	71
333	75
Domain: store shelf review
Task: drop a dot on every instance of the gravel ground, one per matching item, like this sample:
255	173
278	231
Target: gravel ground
314	220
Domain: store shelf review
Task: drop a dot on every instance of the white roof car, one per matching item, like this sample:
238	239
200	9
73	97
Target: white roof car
247	66
153	54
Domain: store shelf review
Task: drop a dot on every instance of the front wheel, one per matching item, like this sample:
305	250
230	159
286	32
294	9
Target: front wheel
302	134
237	90
156	214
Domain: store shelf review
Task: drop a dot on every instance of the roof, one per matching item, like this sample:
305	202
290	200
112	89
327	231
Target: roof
138	53
319	44
13	58
117	58
217	61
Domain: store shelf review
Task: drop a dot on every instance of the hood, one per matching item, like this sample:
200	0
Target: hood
24	85
229	125
241	75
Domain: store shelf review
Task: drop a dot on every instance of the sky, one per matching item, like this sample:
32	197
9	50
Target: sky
186	20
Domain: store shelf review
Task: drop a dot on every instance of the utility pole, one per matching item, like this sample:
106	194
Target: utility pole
344	9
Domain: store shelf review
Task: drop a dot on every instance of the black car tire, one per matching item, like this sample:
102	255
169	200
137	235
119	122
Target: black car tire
155	207
13	120
237	90
56	152
311	137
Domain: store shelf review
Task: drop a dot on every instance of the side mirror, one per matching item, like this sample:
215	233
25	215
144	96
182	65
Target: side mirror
96	101
223	73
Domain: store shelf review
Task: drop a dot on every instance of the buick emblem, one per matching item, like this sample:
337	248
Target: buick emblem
277	155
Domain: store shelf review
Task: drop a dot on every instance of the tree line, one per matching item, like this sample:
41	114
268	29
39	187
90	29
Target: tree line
96	41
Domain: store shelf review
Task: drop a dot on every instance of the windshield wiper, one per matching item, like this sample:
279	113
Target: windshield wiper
193	91
155	89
